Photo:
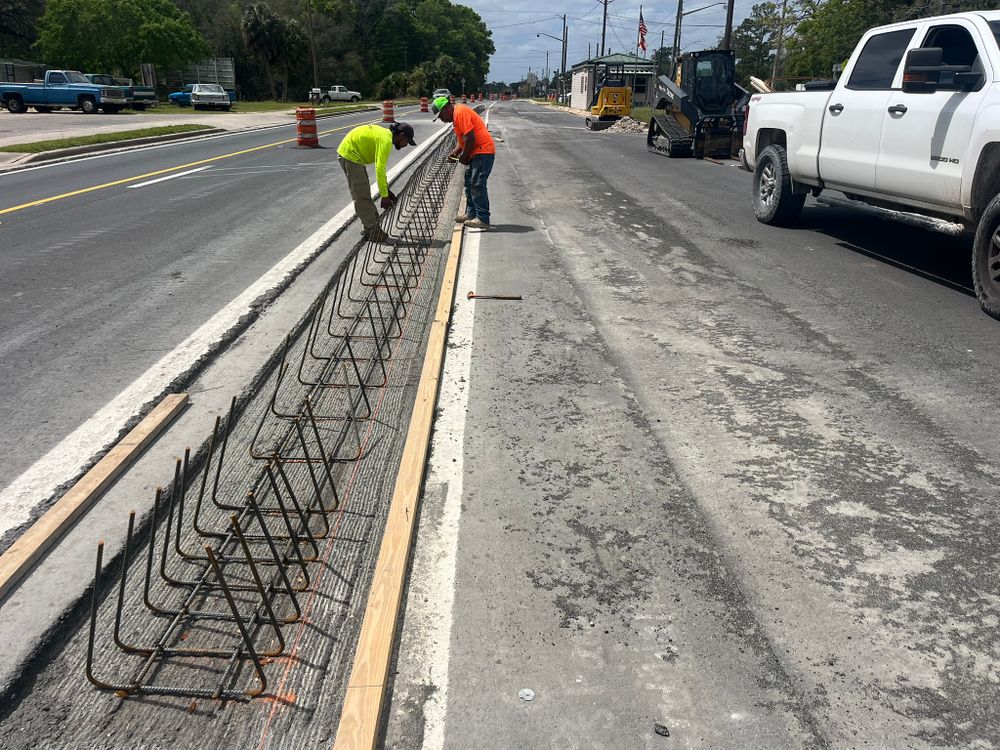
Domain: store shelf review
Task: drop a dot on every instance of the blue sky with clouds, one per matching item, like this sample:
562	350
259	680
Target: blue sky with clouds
515	23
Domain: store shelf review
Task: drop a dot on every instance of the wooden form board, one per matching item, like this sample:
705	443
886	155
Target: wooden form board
21	556
363	705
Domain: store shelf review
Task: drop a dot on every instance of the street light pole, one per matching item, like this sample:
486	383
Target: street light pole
562	46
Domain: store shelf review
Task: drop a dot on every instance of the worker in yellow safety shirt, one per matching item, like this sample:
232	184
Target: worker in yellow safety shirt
371	144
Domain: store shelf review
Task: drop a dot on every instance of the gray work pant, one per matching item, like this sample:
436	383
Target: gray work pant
357	183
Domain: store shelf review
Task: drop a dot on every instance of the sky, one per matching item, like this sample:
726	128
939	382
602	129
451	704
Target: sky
515	23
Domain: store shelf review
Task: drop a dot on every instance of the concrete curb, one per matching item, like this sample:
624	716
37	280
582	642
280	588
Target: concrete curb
26	160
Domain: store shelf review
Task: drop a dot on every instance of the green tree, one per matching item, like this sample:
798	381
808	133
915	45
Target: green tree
17	26
116	35
263	32
755	41
828	32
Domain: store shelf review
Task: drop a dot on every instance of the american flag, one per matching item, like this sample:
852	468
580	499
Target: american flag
642	32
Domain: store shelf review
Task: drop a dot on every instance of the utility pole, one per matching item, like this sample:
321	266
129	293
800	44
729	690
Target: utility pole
727	39
312	42
781	40
677	38
604	26
562	80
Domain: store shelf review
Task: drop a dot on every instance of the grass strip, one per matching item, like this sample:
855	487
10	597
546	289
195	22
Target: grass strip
89	140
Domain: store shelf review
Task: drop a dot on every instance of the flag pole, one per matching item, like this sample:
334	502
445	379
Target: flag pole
638	33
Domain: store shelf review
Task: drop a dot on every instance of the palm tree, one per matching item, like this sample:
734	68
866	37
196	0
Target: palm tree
263	31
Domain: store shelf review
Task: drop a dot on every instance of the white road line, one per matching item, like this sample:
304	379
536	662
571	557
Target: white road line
431	600
168	177
42	480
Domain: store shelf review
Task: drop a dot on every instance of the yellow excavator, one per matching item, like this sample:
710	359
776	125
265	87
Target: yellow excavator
612	98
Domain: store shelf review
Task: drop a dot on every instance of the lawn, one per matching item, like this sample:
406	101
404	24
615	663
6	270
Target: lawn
88	140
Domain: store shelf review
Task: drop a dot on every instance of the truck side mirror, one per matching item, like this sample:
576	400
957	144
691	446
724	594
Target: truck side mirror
922	71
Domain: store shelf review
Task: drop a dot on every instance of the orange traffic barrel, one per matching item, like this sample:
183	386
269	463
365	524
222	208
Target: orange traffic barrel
305	127
388	111
423	104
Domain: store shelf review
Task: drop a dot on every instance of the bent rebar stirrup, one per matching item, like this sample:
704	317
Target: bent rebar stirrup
217	585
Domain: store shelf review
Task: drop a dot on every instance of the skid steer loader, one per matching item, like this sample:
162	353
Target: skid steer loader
701	112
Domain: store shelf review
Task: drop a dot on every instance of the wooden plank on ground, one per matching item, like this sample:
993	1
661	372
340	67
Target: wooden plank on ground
363	705
21	556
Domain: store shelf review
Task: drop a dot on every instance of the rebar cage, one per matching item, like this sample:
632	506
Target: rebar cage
221	571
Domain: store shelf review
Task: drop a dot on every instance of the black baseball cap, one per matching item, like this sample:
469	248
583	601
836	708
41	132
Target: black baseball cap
406	129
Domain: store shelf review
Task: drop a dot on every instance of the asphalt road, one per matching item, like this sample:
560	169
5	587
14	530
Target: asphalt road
734	480
109	263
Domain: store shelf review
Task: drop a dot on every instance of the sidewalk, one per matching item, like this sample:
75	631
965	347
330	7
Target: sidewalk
565	590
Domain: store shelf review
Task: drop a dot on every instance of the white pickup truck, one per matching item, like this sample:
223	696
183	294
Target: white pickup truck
334	94
913	124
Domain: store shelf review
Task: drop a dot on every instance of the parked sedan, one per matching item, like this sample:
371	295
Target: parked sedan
209	96
202	96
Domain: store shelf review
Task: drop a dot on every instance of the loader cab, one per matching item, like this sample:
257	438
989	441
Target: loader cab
708	78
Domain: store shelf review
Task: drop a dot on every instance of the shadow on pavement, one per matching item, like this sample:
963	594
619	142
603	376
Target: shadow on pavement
942	258
511	228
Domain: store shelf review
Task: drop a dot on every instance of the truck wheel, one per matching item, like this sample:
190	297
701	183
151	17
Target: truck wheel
354	99
325	100
774	201
986	260
15	105
88	106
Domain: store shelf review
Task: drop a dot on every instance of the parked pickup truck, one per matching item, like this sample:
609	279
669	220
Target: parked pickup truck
913	124
334	94
139	97
63	88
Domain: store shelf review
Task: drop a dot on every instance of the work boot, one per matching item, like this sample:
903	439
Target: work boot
477	224
462	218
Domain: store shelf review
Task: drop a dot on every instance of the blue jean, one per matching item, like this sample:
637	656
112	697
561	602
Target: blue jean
477	199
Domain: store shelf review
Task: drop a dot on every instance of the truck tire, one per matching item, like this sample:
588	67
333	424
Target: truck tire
354	99
774	201
15	105
88	106
325	100
986	259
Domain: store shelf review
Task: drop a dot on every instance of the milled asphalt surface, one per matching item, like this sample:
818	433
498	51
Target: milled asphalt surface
734	480
96	287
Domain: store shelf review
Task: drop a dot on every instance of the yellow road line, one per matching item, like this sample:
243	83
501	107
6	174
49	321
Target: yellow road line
42	201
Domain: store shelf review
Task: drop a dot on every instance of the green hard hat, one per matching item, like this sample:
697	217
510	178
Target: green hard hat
438	104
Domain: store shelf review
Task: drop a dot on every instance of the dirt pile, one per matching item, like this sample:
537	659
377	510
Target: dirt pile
628	125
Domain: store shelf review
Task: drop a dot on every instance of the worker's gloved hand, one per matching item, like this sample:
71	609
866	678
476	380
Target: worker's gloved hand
463	159
388	201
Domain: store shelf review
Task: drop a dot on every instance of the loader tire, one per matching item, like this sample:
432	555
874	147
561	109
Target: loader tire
774	199
986	260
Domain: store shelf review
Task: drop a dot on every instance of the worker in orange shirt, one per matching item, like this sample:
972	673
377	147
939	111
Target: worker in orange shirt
476	150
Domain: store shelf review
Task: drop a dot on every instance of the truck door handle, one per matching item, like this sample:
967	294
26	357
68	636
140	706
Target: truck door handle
897	109
836	109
